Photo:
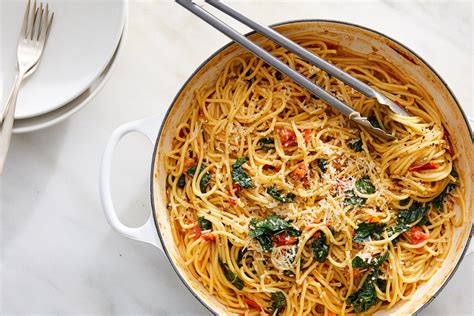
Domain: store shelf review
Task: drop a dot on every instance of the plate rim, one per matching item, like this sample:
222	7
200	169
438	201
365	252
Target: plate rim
83	99
100	70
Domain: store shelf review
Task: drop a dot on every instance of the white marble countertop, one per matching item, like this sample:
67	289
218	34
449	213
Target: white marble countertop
58	254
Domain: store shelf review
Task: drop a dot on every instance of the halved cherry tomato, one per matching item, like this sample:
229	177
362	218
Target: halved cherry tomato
416	235
236	188
196	232
208	236
232	199
188	163
287	137
427	166
266	167
307	133
251	303
374	219
283	239
301	172
270	167
355	272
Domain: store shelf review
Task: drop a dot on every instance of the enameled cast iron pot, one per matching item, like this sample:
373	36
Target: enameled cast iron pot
160	130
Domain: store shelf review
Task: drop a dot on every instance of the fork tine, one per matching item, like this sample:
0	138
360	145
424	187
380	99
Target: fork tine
31	21
50	21
46	25
41	14
24	26
37	16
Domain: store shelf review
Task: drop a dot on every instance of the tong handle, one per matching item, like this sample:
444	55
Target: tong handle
266	56
282	67
309	57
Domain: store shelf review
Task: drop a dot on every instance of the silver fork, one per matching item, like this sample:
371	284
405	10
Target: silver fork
33	36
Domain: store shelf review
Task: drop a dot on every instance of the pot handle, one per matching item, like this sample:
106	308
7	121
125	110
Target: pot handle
147	232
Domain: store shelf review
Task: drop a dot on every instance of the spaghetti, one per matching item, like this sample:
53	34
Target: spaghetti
281	205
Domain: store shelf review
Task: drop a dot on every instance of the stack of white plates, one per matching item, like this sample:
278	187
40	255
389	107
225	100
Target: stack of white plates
84	42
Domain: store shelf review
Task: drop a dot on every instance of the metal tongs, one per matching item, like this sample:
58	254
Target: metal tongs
293	74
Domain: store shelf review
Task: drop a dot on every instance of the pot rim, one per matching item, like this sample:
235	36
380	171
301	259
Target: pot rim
158	137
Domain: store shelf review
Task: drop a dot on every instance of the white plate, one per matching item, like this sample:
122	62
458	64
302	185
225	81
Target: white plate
62	113
83	39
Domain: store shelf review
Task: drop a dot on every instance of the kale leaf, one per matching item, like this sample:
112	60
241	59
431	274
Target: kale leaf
323	164
416	211
240	257
270	224
267	143
204	224
438	201
278	303
356	144
382	284
205	182
359	263
192	170
363	185
265	241
264	229
274	193
404	202
353	199
377	261
424	221
238	174
366	296
374	122
320	248
397	228
455	175
367	230
181	181
231	276
205	178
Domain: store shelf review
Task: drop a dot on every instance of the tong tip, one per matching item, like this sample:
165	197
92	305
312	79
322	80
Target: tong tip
363	121
394	107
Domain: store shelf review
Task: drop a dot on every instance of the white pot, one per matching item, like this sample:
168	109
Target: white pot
160	131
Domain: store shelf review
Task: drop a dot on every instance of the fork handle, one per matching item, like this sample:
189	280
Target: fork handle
6	119
13	95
